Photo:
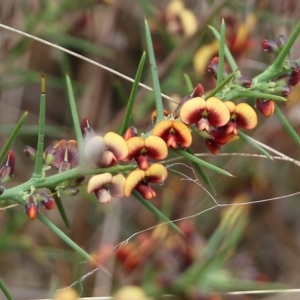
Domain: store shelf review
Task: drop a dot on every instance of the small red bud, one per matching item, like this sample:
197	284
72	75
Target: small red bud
243	81
198	91
213	66
130	132
45	200
31	207
266	107
269	46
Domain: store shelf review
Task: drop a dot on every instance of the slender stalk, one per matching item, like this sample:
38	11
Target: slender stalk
287	126
156	212
64	237
12	136
5	290
155	80
201	162
220	72
38	167
74	112
127	117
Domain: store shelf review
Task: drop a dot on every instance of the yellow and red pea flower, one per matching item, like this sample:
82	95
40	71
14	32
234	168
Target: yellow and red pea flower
141	149
174	133
242	115
106	151
205	113
139	179
106	185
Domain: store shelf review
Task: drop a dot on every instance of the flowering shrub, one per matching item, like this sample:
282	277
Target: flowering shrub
126	163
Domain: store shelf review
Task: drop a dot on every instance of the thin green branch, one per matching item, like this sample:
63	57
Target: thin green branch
38	167
287	126
64	237
220	86
201	162
160	216
54	180
251	142
155	79
220	72
74	112
127	117
5	290
233	65
61	209
12	136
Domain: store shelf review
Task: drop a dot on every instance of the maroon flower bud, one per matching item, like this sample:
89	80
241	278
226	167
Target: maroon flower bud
30	152
45	200
198	91
243	81
266	107
86	129
31	207
294	77
269	46
130	132
7	168
213	66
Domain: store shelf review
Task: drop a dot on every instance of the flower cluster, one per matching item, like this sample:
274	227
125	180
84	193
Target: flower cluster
111	149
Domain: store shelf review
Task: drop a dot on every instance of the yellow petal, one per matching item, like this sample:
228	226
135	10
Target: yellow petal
133	179
135	145
116	144
218	113
203	56
191	111
245	116
117	185
156	147
156	173
98	181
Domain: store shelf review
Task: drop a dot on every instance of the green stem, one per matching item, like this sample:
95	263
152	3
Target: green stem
64	237
220	72
201	162
233	65
53	180
155	80
38	167
220	86
74	112
12	136
127	117
156	212
5	290
250	141
287	126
